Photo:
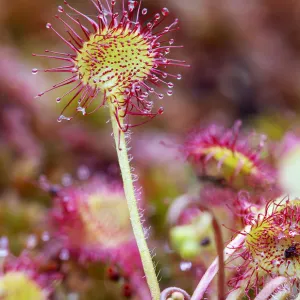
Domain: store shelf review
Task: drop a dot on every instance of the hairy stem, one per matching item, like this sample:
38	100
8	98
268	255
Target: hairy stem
134	213
214	267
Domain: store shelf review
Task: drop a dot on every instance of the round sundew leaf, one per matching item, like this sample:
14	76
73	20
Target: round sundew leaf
18	286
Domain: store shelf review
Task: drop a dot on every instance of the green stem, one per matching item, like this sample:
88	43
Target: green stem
134	213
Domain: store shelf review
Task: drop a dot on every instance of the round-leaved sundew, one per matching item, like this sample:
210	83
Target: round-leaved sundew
25	277
92	219
120	56
271	247
228	156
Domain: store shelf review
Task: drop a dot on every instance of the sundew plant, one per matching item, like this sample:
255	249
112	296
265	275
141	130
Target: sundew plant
167	176
122	59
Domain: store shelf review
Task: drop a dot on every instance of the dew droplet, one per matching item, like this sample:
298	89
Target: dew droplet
66	199
113	2
58	99
171	41
157	16
170	85
178	76
170	93
144	11
45	236
160	111
60	9
48	25
73	296
31	241
66	180
149	25
151	90
165	11
3	246
3	252
185	266
64	254
81	109
83	173
34	71
161	96
164	75
62	117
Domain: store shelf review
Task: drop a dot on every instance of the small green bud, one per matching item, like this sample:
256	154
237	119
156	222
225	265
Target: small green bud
177	296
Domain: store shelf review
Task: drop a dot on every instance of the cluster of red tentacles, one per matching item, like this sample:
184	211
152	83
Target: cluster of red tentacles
271	247
130	90
228	154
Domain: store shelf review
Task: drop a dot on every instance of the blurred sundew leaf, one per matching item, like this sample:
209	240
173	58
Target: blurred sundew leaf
18	220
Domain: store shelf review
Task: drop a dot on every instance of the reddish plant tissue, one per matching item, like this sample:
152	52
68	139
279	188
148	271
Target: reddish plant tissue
224	204
217	152
123	55
271	247
91	222
25	277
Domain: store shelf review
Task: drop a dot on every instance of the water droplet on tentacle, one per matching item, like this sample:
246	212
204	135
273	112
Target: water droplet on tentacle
45	236
81	109
62	117
185	266
160	111
66	180
165	11
64	254
83	172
